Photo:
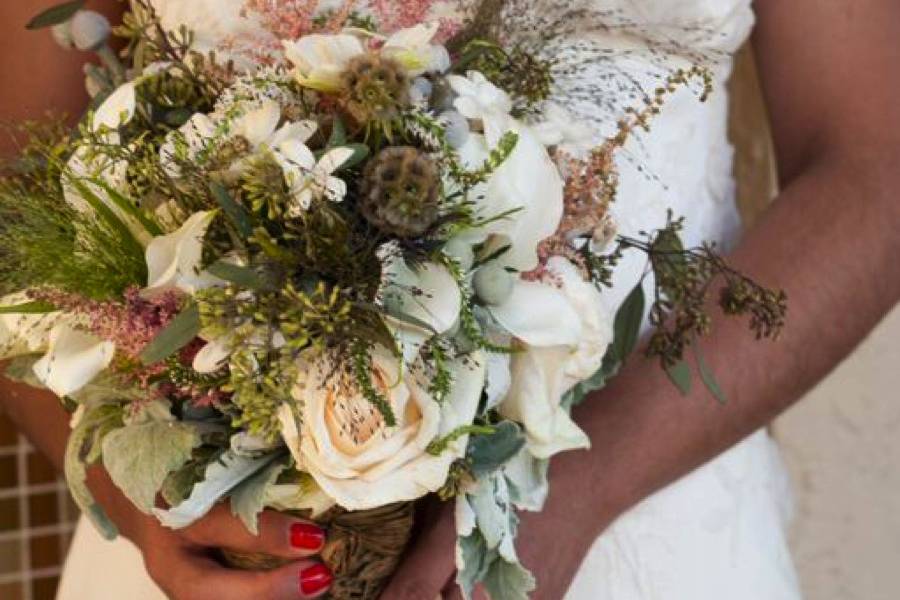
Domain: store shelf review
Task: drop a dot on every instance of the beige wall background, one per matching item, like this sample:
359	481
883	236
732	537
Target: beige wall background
842	442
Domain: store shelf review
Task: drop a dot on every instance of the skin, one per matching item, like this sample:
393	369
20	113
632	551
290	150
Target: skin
829	72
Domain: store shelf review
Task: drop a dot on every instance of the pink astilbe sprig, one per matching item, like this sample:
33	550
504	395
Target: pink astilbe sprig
393	15
590	187
131	324
284	19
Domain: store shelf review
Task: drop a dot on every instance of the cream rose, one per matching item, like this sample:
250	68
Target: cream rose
343	442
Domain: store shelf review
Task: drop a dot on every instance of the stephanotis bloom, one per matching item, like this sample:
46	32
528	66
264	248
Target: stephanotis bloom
564	329
309	179
320	60
337	435
258	128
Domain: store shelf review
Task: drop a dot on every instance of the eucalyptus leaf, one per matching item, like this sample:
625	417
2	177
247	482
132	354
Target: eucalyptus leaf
178	334
709	379
56	15
487	453
338	134
248	499
628	321
138	458
245	277
236	213
680	375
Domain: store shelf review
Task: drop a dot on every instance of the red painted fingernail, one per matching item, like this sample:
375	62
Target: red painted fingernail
315	579
306	536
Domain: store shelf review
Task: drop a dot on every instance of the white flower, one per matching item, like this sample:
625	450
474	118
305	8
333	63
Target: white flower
258	127
309	179
174	260
74	358
320	60
428	296
360	462
480	100
565	333
117	110
527	187
413	49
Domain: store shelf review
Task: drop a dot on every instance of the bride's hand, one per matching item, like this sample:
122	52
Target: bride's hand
183	563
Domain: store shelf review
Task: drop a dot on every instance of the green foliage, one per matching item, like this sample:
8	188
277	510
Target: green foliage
361	355
45	242
493	449
140	457
56	15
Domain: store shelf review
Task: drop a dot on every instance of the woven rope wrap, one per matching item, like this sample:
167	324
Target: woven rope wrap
363	550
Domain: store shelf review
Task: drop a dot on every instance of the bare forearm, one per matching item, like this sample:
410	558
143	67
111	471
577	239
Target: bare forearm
39	415
839	285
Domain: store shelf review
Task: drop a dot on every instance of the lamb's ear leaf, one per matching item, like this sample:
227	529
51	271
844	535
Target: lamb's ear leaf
56	15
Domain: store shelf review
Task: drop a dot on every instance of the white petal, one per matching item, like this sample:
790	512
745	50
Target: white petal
413	37
335	189
300	131
173	261
295	153
212	356
429	294
499	379
118	109
530	182
24	333
257	126
539	315
73	360
538	384
334	160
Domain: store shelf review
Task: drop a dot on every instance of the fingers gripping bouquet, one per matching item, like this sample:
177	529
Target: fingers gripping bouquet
355	270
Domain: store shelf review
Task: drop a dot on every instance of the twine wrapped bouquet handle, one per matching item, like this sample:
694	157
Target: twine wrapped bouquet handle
363	550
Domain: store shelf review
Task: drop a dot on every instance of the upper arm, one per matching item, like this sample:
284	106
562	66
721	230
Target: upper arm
831	74
36	75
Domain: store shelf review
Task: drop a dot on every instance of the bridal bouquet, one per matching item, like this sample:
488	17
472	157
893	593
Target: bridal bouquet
356	268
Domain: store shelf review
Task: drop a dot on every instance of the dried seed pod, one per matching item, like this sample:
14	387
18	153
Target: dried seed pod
401	192
376	87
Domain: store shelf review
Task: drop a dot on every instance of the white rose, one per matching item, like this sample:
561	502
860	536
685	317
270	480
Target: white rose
565	332
342	441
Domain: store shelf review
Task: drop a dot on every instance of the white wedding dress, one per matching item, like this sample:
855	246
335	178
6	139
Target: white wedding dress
718	534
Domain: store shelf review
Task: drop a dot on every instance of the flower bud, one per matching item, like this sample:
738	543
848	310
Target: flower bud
62	35
90	30
456	127
420	91
493	284
462	252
